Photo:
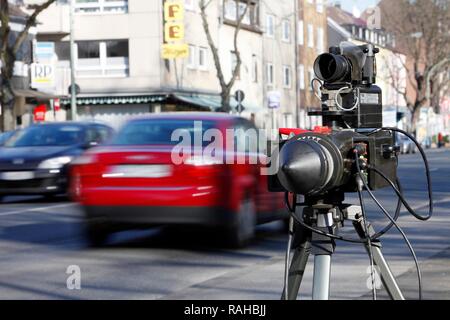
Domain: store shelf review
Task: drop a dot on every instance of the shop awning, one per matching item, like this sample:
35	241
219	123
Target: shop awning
34	94
210	101
116	100
213	102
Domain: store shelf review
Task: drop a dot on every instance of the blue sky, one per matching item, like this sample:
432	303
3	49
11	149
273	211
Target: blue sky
360	4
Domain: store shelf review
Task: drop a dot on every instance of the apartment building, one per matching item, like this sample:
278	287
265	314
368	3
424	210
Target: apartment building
391	71
312	41
120	71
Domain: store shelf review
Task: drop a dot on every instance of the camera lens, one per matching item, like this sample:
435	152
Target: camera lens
332	68
306	166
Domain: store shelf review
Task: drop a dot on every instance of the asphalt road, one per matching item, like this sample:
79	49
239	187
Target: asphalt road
39	241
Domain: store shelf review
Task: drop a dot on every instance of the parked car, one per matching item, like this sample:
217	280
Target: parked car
35	159
133	182
5	136
406	145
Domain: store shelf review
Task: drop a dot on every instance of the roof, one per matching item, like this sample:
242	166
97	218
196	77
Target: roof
343	17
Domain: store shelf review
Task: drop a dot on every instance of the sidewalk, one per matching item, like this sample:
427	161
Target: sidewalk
435	283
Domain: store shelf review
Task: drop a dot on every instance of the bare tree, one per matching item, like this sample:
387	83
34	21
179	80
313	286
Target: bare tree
421	30
9	48
226	86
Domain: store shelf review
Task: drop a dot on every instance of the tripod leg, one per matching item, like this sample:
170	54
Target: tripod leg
321	280
302	245
386	275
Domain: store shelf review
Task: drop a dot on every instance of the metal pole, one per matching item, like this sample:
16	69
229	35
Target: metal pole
73	95
321	278
297	63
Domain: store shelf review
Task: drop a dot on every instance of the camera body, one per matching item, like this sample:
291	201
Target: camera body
322	162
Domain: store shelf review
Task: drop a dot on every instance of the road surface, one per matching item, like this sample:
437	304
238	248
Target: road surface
40	241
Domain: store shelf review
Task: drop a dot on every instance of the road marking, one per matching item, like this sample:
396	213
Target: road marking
37	209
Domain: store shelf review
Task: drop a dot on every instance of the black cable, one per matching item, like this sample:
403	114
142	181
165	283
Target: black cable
400	195
369	242
408	243
428	175
375	237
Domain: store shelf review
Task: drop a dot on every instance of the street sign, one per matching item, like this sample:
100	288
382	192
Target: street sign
45	51
175	51
240	97
42	75
39	113
174	46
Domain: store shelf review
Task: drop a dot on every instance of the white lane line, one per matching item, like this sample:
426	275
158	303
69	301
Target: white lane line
10	213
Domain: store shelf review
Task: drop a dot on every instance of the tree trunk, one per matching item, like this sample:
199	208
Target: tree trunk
225	95
415	117
7	101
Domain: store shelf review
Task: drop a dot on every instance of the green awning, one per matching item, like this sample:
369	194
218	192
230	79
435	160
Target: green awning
111	100
213	102
210	101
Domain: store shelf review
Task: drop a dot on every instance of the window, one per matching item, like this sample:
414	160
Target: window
286	36
301	76
88	50
192	56
255	68
270	26
234	9
319	6
287	82
62	50
101	6
301	36
189	5
109	58
230	9
270	74
243	11
203	58
310	36
320	40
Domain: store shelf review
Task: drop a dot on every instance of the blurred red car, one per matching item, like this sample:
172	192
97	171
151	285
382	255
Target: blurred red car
135	182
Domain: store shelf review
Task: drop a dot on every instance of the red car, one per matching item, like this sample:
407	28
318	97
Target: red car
135	181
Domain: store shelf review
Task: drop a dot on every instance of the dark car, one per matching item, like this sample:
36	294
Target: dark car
35	160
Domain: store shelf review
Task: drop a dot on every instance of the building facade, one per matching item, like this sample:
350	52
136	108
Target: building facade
312	40
120	71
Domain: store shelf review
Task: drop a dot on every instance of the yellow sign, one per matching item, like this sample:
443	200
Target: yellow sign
174	10
174	46
174	31
175	51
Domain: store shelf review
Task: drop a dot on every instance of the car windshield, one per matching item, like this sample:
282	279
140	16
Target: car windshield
159	131
47	135
5	136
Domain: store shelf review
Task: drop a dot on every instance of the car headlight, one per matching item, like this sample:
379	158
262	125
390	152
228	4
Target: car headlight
55	163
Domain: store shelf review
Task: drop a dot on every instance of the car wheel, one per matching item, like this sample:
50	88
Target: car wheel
243	231
96	234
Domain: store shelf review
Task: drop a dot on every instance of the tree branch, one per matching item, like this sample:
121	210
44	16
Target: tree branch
31	21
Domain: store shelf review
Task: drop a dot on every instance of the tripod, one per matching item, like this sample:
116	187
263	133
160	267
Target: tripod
329	218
